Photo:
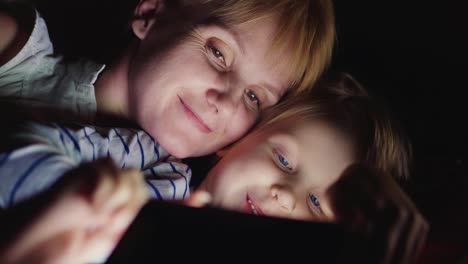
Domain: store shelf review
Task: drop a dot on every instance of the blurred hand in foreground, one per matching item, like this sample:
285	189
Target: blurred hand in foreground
80	219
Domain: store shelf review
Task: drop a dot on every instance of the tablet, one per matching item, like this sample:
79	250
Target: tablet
166	231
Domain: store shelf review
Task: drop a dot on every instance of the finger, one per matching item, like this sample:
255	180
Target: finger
95	180
120	219
61	248
53	220
129	190
139	195
198	199
66	248
107	189
99	245
126	193
102	241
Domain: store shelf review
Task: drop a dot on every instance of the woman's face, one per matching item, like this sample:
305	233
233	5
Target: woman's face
207	90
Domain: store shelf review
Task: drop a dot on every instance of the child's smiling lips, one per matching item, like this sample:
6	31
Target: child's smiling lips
195	118
252	208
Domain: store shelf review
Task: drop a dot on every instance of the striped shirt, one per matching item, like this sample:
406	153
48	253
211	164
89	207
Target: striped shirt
37	73
48	151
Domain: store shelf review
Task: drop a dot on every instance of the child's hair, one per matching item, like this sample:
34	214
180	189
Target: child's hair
377	139
306	27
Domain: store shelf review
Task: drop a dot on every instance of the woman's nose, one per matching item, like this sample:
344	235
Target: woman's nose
212	98
284	197
222	100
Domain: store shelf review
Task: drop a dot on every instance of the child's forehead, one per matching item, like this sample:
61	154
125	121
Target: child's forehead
287	125
306	131
288	120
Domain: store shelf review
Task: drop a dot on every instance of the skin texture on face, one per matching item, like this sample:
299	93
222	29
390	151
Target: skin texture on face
206	91
274	172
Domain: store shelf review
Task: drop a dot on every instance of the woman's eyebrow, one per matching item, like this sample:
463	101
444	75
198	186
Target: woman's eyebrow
272	91
235	35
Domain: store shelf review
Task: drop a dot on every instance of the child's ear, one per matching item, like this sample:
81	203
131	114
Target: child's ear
145	15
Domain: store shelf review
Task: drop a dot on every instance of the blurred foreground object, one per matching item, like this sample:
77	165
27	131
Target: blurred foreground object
80	219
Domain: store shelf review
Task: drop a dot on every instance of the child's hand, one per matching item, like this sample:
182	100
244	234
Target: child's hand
198	199
373	206
81	218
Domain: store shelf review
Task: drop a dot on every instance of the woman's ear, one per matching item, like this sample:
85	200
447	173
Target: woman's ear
144	16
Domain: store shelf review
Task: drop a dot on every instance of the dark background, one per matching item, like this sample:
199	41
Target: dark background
413	54
410	53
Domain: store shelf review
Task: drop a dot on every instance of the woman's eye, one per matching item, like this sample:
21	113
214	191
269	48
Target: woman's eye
217	54
252	99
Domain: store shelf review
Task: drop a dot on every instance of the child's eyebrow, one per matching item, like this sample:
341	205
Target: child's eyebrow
318	213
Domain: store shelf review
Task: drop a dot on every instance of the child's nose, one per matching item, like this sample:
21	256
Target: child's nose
284	198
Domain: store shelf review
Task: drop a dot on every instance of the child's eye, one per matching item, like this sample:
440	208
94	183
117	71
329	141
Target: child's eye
314	200
314	205
252	99
282	161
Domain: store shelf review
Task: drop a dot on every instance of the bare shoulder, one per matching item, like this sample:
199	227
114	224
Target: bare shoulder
17	23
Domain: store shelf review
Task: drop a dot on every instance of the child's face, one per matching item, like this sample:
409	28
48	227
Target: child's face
276	171
204	93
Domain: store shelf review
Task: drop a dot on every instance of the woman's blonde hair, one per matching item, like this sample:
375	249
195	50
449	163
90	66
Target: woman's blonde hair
305	27
378	140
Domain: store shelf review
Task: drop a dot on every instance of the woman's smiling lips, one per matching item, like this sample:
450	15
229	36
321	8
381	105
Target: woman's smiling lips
195	118
252	208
